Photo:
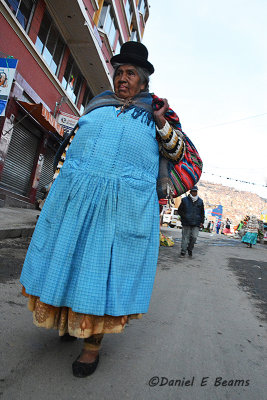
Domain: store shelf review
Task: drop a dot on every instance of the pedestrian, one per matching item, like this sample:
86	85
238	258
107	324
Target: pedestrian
218	225
212	226
192	215
239	228
251	234
91	264
227	229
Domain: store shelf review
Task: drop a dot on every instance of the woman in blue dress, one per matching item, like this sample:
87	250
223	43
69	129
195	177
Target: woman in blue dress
91	264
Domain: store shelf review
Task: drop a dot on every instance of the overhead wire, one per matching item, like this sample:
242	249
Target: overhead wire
231	122
234	179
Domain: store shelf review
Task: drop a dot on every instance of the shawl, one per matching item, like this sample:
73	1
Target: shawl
252	225
141	104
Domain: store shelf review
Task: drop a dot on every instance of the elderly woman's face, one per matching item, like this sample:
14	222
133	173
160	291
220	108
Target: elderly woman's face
127	82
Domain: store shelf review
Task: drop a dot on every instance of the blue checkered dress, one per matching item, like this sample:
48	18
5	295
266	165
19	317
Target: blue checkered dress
95	246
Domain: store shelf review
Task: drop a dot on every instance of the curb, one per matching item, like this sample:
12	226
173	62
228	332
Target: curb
12	233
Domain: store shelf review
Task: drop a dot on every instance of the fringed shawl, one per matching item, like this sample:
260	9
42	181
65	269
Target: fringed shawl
141	104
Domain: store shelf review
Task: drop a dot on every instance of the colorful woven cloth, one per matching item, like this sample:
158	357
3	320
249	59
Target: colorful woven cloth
185	173
170	115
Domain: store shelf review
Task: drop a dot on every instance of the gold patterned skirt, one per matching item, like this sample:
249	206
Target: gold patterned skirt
76	324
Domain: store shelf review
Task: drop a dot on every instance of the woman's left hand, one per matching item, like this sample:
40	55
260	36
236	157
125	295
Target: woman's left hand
159	114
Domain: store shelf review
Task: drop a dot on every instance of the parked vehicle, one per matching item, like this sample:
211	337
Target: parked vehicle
166	216
172	218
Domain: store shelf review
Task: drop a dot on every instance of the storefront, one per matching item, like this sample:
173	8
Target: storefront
34	136
22	150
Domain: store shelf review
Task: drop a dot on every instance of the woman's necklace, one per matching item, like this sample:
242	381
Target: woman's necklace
126	104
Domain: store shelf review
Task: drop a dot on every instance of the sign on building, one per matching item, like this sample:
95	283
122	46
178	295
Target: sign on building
67	121
7	71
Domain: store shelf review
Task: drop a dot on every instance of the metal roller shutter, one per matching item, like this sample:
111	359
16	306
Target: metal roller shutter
47	171
19	161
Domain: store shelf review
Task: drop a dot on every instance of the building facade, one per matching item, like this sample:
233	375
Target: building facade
62	50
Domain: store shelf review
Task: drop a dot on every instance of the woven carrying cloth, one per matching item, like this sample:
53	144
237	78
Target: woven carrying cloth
185	173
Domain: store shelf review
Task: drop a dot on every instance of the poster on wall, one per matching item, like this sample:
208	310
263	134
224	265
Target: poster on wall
7	71
67	121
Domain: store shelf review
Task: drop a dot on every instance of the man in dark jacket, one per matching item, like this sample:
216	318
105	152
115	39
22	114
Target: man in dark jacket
192	215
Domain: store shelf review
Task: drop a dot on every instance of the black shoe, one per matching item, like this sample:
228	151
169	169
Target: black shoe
182	254
82	370
67	338
190	253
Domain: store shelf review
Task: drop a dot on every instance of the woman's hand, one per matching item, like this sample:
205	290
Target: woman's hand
159	114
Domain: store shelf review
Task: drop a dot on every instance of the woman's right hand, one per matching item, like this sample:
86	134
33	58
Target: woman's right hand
159	115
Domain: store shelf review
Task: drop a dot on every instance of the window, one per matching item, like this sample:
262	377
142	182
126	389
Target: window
49	43
134	35
23	11
67	72
142	7
118	46
86	98
103	15
107	23
72	80
129	11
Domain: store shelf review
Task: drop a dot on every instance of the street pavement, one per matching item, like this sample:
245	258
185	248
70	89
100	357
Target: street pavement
204	336
17	222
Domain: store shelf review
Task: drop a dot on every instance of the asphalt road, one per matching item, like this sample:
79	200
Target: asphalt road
203	338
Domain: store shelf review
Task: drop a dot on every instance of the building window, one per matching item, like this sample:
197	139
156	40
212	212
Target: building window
142	7
129	11
107	23
88	95
49	43
134	35
118	46
23	11
72	80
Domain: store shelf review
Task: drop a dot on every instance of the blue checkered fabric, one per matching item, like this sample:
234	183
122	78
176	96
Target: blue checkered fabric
95	246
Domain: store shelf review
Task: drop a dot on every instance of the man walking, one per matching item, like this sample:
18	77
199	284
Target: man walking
192	215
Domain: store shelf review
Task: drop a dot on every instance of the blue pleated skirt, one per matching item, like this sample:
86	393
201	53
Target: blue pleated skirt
250	238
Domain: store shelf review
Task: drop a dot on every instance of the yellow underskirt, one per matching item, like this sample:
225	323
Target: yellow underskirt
76	324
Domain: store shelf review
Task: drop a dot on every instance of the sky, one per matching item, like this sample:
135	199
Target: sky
210	60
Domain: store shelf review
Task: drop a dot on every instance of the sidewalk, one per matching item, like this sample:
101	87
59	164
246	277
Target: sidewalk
17	222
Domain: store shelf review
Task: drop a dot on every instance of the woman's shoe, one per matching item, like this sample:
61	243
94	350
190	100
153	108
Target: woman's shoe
82	370
67	338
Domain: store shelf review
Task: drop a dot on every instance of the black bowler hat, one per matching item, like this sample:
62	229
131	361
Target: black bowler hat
133	53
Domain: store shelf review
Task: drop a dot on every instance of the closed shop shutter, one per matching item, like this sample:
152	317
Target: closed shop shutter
19	161
47	171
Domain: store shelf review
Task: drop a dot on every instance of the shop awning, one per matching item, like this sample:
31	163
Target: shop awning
41	115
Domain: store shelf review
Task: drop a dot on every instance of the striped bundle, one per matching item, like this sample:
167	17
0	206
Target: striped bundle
185	173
